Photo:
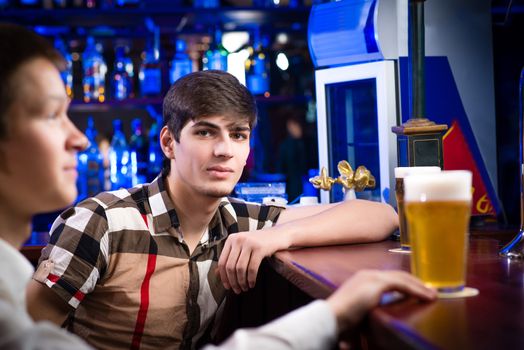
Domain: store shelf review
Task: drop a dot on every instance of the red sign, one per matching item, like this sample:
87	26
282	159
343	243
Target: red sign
458	156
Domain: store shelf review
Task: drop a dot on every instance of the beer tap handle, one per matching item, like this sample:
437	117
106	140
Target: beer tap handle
515	248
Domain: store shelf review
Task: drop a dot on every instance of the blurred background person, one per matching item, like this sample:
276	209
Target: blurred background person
292	162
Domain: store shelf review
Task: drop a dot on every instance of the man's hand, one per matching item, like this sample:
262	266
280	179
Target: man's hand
362	292
242	254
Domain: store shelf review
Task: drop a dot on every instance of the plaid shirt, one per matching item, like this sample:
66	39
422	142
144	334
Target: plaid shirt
119	260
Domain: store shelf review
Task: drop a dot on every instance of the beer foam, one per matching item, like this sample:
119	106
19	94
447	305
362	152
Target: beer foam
401	172
444	186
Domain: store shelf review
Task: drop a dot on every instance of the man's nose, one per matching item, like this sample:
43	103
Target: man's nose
224	148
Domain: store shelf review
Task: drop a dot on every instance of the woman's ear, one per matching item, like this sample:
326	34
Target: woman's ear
167	142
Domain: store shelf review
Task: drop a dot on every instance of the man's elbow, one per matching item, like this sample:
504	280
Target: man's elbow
388	223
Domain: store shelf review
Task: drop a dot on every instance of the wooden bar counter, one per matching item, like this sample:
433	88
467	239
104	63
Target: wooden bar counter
492	320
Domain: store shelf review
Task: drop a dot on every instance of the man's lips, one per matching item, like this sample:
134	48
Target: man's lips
220	169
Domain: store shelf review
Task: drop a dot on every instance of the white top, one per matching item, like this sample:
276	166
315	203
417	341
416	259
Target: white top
17	329
307	328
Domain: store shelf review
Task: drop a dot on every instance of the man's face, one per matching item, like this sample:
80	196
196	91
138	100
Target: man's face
38	156
211	155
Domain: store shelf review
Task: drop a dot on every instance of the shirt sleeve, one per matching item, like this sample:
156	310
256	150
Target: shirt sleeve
17	331
77	253
253	216
307	328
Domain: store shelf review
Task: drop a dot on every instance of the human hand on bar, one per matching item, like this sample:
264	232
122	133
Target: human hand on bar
364	290
242	254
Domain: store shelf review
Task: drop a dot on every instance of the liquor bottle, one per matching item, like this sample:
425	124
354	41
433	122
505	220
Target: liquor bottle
76	3
60	4
95	70
181	64
127	3
257	67
150	75
121	81
156	156
67	73
216	56
206	3
30	3
119	160
90	166
139	153
266	3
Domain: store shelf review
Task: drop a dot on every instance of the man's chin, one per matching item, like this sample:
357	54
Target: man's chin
218	192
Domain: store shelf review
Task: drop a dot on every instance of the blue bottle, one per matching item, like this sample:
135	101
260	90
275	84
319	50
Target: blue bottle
257	74
4	4
127	3
121	80
206	3
181	64
156	156
139	153
30	3
95	69
216	56
120	172
150	75
67	73
60	3
90	166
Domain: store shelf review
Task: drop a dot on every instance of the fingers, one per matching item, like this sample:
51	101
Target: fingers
238	265
222	265
241	269
406	283
230	268
364	291
252	270
379	282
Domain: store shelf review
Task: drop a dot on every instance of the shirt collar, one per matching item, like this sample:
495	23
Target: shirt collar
161	206
165	216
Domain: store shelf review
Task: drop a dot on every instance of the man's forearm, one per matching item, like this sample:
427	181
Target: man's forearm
354	221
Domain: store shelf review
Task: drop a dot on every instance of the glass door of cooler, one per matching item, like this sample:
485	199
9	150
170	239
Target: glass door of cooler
356	107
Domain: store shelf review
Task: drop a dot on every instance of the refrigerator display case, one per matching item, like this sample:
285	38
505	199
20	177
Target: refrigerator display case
356	107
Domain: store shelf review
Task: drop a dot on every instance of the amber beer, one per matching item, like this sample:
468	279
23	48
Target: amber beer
400	174
438	208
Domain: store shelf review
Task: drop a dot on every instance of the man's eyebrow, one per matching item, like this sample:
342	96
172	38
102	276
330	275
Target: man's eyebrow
59	98
201	123
233	126
239	128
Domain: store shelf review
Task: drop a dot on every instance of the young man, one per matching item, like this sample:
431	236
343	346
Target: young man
150	266
38	146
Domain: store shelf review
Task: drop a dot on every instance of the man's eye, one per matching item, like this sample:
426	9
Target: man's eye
203	133
239	136
53	116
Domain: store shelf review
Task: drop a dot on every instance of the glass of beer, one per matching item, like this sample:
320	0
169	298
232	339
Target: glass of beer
438	209
400	174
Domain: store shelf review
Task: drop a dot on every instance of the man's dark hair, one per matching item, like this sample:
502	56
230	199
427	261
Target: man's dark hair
19	45
205	94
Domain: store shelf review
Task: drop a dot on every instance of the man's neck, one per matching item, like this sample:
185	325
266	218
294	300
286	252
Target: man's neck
195	214
14	228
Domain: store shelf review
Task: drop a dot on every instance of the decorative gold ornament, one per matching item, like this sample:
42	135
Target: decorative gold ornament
357	180
322	181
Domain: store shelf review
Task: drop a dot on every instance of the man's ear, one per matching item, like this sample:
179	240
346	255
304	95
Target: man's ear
167	142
